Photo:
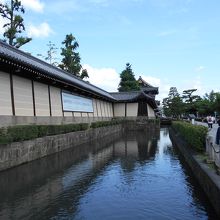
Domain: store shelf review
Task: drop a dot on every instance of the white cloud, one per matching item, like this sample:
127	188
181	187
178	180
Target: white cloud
199	68
43	30
152	80
1	26
35	5
1	20
164	86
105	78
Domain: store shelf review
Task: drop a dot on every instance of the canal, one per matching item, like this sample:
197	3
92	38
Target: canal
138	175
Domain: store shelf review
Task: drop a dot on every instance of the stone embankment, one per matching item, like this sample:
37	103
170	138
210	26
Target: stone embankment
206	175
17	153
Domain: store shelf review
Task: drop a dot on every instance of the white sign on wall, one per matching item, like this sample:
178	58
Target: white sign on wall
76	103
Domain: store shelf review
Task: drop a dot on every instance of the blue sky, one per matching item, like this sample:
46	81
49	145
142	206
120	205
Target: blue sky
168	42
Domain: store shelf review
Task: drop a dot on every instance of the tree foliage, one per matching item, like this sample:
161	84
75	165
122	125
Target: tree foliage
191	101
14	24
173	104
71	58
128	81
50	55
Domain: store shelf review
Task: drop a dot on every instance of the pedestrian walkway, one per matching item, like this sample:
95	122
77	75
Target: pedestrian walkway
212	131
212	149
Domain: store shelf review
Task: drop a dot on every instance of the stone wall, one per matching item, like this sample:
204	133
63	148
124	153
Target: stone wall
140	123
18	153
6	121
207	177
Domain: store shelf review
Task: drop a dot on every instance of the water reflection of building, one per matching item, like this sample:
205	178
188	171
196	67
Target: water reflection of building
44	186
36	185
135	146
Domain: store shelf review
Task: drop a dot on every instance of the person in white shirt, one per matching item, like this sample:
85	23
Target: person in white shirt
209	121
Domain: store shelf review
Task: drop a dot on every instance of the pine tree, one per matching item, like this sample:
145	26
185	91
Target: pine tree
14	23
128	81
71	58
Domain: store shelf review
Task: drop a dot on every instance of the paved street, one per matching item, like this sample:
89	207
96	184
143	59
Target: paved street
212	132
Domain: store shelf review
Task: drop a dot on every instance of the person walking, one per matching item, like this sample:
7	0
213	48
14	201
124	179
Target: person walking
209	121
213	120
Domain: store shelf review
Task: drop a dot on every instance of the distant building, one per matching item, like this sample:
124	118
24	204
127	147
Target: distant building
33	91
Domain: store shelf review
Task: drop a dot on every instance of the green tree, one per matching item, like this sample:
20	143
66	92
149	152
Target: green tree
217	103
14	23
128	81
50	55
191	101
71	58
173	104
209	104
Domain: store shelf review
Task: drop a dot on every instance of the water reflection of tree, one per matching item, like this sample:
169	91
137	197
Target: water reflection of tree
44	179
143	151
165	130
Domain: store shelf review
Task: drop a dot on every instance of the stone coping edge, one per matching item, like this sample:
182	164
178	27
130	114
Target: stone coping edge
208	179
18	153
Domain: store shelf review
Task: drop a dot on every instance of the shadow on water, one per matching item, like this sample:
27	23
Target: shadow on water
200	199
35	186
119	177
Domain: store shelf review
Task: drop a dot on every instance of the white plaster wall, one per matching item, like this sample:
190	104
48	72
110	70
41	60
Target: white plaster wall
90	115
94	107
5	94
23	98
41	99
77	114
107	109
132	109
56	105
84	114
103	109
99	108
150	110
66	114
111	110
119	109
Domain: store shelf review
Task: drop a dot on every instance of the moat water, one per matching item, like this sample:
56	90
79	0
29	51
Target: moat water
138	175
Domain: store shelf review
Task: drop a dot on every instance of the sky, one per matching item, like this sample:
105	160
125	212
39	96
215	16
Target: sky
170	43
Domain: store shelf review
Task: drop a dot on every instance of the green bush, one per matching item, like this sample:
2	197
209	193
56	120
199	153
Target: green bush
194	135
28	132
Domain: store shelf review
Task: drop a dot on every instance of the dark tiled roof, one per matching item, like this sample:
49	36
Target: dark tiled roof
146	87
123	96
7	51
134	96
144	83
130	96
10	53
